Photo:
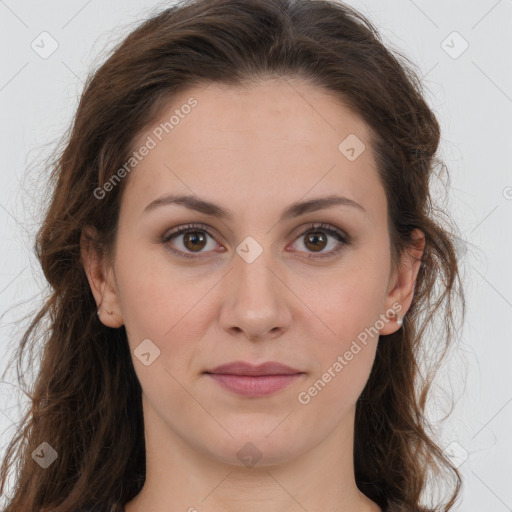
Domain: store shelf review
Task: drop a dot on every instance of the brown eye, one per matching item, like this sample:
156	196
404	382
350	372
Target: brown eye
194	240
192	243
315	240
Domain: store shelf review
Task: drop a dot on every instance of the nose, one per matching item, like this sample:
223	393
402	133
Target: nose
257	300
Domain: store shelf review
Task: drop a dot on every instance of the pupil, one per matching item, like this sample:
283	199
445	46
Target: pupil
316	237
194	237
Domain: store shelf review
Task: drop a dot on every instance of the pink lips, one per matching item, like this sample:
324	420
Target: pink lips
253	381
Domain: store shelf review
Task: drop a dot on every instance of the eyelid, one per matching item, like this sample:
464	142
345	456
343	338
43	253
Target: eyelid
343	238
184	228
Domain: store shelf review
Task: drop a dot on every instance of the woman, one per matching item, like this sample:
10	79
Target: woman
244	260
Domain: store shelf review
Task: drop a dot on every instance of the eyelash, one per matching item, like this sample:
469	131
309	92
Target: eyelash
339	235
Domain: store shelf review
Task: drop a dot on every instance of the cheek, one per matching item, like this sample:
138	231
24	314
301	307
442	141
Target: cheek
349	307
153	293
164	304
350	304
334	387
344	361
163	301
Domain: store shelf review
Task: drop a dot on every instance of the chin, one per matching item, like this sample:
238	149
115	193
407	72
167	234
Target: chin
255	449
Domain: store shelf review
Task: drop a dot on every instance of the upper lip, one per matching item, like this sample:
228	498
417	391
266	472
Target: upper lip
243	368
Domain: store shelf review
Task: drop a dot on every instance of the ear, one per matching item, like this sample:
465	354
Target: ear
403	281
100	275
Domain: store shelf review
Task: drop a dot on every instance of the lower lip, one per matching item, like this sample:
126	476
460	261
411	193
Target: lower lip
250	385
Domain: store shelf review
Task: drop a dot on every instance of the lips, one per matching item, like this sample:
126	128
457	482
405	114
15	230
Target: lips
254	380
242	368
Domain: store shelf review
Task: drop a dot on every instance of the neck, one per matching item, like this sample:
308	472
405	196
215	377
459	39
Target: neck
181	478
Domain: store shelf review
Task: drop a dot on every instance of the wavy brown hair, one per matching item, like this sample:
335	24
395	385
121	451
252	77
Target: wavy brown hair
86	399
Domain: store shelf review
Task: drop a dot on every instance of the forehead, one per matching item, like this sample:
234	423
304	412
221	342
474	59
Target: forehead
271	110
275	138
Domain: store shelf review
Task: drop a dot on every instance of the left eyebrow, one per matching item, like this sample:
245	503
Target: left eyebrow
294	210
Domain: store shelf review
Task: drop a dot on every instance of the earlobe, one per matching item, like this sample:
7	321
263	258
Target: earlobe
109	318
100	277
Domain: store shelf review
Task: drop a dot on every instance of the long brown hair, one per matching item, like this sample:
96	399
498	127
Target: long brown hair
86	401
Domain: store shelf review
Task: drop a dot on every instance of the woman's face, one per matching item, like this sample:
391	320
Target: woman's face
260	283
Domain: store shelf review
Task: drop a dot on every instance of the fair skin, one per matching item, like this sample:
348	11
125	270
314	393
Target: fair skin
254	151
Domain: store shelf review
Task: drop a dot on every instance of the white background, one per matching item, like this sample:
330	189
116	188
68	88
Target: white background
472	96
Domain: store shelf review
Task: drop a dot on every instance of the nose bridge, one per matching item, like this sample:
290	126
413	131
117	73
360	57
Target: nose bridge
255	299
254	279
